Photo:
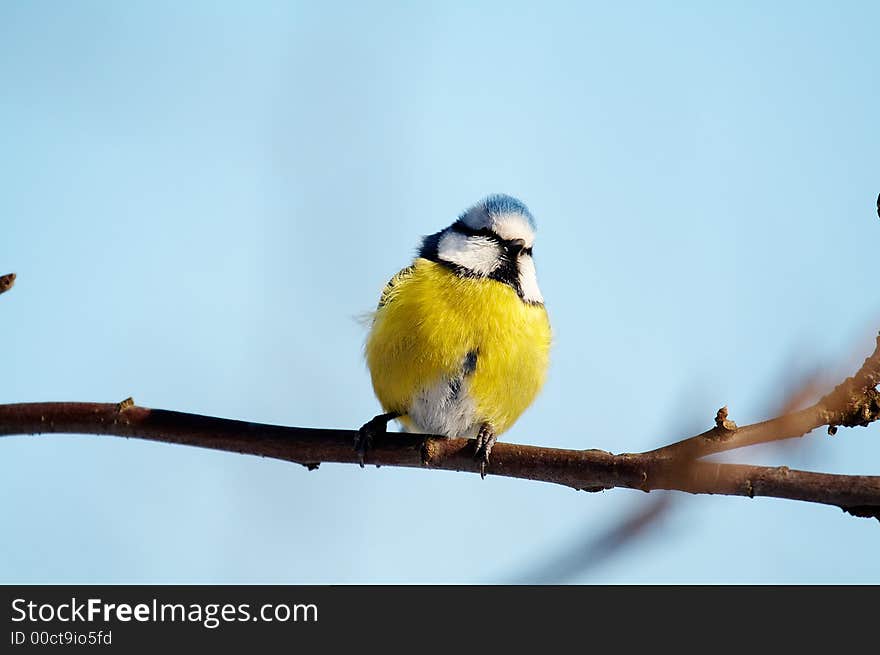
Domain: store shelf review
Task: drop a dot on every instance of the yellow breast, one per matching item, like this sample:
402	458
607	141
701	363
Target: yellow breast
431	318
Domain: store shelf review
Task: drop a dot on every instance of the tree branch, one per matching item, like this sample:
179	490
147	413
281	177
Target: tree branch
589	470
6	282
855	401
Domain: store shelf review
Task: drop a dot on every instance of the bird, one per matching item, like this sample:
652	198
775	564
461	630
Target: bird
459	344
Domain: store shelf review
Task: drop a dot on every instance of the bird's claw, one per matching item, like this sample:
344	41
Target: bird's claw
363	442
485	440
376	426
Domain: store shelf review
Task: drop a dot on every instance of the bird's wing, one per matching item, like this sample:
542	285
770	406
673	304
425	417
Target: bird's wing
390	290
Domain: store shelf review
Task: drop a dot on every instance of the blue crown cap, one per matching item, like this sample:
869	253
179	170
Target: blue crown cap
500	203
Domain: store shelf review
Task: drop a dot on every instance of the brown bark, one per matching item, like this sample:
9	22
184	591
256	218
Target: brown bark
6	282
589	470
855	401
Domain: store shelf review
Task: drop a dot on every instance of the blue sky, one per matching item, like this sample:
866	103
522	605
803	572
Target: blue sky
201	199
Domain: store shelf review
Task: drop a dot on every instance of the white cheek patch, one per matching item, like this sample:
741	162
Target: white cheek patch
477	254
528	280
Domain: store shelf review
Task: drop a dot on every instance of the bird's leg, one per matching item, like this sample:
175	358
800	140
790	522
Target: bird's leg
485	440
372	428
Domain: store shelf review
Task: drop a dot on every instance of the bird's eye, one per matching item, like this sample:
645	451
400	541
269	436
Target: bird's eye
527	251
515	246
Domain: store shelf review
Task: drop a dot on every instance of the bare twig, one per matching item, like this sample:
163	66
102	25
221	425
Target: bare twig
594	549
588	470
855	401
6	282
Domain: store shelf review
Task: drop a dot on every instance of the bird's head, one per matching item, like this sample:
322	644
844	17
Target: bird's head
492	239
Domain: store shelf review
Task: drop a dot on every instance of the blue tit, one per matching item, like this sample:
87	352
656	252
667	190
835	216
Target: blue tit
459	344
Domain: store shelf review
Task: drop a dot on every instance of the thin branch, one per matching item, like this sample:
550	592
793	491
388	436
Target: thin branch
593	549
855	401
6	282
588	470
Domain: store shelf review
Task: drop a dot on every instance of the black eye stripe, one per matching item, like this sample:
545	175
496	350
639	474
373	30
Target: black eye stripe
507	273
463	228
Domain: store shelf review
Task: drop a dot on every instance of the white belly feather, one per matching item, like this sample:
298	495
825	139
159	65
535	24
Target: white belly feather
446	409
